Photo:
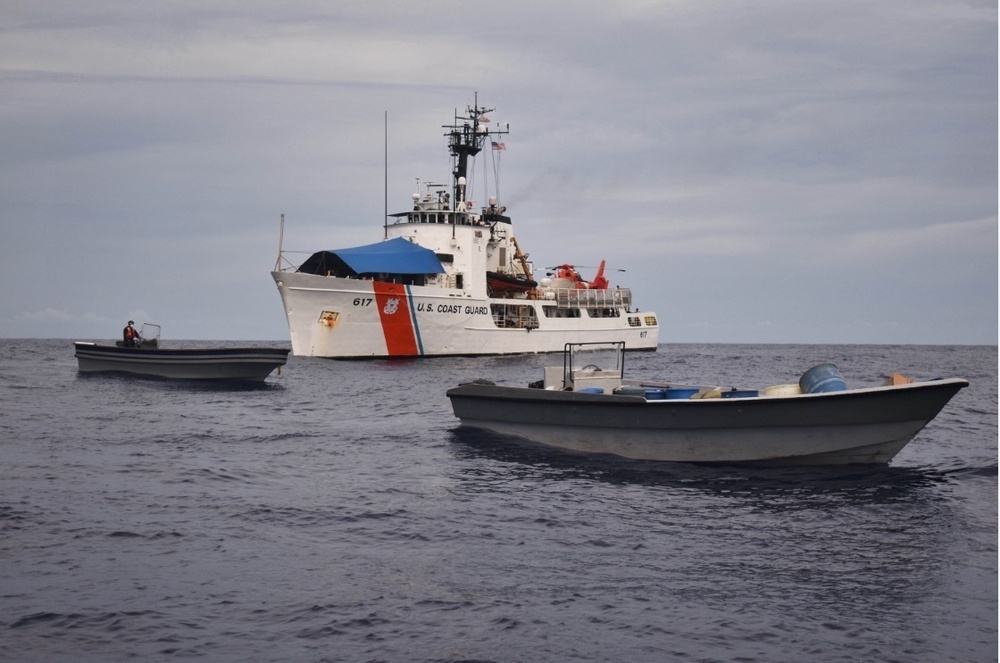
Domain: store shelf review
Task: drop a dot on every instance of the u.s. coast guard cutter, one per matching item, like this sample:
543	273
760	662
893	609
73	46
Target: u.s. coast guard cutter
449	278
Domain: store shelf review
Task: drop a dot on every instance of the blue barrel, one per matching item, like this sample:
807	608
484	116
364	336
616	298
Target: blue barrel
655	394
590	390
821	379
679	392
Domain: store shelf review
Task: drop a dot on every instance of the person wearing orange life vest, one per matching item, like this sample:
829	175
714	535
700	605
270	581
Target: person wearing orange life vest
130	336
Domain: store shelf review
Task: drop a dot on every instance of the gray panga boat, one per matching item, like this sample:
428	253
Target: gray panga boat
586	405
150	359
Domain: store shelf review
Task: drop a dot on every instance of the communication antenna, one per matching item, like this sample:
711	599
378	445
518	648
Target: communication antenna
385	185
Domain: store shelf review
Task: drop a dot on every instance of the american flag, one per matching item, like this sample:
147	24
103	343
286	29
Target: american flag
498	146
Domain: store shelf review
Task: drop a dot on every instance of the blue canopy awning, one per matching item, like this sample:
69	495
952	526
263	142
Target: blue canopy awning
394	256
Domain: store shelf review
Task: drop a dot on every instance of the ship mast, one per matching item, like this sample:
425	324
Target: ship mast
466	137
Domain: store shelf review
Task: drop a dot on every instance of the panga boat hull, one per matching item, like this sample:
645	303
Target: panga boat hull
869	425
237	364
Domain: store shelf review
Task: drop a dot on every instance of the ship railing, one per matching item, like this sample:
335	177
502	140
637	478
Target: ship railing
516	316
579	298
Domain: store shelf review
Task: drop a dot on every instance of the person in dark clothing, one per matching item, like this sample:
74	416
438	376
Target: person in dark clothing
130	335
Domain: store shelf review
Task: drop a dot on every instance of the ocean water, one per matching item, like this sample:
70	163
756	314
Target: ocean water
337	514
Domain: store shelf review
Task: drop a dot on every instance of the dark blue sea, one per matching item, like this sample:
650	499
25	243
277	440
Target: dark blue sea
337	514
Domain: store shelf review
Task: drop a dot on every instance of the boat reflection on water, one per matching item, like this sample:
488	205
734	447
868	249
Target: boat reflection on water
502	459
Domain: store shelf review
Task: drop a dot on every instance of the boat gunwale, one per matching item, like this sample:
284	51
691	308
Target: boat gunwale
857	407
113	351
532	394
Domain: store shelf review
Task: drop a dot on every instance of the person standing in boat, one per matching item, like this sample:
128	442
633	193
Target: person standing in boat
130	335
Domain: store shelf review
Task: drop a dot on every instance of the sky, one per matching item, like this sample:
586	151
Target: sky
776	171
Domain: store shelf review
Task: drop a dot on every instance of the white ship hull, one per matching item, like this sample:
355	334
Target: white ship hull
353	318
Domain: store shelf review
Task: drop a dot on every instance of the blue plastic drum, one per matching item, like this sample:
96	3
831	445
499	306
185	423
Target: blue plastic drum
821	379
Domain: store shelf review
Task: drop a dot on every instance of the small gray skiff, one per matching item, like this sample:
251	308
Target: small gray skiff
148	359
239	364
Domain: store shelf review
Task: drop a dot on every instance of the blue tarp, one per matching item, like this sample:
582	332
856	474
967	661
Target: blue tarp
394	256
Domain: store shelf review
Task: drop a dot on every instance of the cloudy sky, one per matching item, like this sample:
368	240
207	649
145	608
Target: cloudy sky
770	171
